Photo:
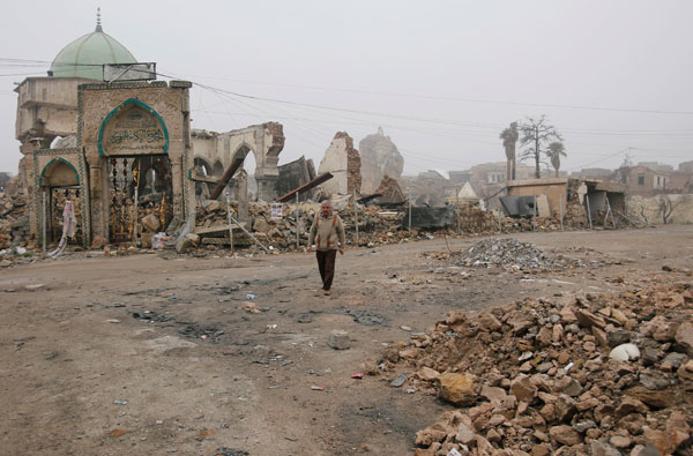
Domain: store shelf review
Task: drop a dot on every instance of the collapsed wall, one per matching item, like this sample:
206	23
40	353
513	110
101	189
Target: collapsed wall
379	157
295	174
661	209
390	191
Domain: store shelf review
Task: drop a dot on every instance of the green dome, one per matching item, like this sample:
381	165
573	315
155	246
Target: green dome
84	56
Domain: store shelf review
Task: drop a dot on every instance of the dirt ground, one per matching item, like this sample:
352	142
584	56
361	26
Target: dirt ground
196	374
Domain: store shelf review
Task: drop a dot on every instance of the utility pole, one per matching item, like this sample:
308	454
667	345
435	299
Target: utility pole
298	223
229	219
356	219
409	210
537	172
457	208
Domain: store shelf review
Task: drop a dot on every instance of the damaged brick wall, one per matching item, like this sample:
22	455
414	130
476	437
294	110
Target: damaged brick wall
344	163
353	171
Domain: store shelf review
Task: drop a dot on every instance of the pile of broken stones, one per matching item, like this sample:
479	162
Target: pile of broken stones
14	220
600	374
512	254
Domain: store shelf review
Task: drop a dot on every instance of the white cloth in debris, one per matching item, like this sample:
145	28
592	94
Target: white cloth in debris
69	228
69	220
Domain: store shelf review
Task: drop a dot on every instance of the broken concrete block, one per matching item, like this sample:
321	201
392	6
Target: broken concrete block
339	340
625	352
187	242
151	223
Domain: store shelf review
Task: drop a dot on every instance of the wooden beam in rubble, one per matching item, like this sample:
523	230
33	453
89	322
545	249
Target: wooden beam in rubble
304	188
228	174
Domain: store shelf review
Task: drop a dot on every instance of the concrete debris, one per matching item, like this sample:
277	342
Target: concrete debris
507	370
398	381
625	352
339	340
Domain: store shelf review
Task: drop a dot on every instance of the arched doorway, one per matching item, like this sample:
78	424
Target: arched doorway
140	188
133	140
217	169
59	184
245	154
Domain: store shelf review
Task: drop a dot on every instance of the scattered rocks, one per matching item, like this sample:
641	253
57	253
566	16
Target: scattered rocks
546	377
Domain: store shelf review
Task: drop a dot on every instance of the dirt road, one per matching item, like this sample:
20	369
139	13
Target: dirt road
199	373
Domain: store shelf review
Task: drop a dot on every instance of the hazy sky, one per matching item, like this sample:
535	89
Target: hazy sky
441	77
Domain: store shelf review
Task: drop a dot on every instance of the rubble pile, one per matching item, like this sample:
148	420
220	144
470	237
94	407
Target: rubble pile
474	220
380	226
602	375
543	224
14	220
391	191
375	226
511	254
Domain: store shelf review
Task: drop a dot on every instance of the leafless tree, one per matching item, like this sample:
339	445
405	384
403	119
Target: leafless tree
535	134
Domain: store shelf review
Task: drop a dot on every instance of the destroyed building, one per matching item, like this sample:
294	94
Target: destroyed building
379	157
428	188
487	179
582	201
216	152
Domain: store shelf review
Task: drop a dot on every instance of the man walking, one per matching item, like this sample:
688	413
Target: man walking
327	234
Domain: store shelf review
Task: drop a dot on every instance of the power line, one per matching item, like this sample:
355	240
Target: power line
603	158
467	99
422	119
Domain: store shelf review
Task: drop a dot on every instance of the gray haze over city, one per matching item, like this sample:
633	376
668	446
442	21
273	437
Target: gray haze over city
442	78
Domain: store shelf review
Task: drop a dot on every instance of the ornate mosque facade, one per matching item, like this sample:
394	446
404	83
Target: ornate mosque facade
122	151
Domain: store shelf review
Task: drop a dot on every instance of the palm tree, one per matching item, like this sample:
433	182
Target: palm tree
554	152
